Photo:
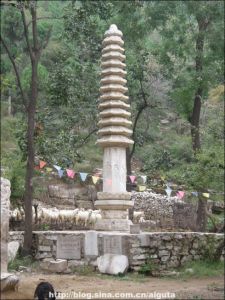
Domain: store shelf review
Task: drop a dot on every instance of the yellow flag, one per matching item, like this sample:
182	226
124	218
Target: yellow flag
162	178
95	179
141	188
206	195
49	169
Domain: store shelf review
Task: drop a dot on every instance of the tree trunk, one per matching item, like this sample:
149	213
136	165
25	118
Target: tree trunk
201	214
28	196
196	145
195	118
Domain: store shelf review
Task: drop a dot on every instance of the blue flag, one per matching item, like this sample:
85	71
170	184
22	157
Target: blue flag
60	173
83	176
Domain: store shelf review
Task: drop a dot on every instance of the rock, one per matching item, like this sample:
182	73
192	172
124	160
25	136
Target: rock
189	270
163	253
168	273
76	263
13	248
113	264
9	282
23	268
55	266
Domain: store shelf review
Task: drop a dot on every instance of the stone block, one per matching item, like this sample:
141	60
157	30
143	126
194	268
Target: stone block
112	244
44	248
139	257
76	263
91	244
165	258
144	240
163	253
57	266
113	264
135	229
13	248
68	247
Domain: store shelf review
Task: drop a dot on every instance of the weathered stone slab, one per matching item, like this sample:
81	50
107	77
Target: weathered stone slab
68	247
112	244
54	266
13	248
5	196
91	244
113	264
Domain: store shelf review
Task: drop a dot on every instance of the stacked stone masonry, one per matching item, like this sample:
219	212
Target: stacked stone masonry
167	250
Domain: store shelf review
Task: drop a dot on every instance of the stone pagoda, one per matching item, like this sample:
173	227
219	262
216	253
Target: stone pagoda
114	135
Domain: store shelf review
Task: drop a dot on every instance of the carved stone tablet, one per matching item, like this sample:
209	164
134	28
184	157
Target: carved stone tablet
112	244
68	247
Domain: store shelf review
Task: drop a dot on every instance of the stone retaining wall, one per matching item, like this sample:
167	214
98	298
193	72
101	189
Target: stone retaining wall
164	249
166	212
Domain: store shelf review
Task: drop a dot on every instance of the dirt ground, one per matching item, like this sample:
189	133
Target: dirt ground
80	287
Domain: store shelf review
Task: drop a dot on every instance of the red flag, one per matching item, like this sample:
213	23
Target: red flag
42	164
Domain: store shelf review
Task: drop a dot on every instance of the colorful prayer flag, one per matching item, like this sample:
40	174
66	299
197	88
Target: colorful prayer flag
142	188
144	178
95	179
168	191
132	178
83	176
70	173
57	167
42	164
60	173
180	194
49	170
206	195
194	194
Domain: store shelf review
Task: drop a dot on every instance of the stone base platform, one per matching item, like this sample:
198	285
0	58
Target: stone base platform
165	249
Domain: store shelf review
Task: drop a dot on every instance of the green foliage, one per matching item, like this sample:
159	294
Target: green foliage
148	267
26	77
12	165
203	268
26	261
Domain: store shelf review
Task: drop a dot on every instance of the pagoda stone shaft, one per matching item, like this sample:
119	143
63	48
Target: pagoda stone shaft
114	135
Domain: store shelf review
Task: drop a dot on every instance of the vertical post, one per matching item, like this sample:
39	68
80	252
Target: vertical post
114	135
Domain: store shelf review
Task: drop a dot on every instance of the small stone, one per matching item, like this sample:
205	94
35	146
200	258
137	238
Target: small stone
113	264
163	253
164	258
189	270
139	257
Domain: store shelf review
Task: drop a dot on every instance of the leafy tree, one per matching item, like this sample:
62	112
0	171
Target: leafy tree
189	31
33	47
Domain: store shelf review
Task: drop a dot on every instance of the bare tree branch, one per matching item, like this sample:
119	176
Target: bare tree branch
16	73
87	137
